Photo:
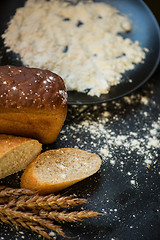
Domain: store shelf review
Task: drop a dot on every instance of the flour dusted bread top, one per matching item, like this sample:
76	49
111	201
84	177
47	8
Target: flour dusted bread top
55	170
16	153
33	88
33	103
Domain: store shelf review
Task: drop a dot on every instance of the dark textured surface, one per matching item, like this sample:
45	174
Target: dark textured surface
144	29
131	211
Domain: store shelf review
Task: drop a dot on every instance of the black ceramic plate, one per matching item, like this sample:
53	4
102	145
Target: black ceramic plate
144	29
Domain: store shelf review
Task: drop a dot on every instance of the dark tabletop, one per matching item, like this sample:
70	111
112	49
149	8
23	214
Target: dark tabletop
126	134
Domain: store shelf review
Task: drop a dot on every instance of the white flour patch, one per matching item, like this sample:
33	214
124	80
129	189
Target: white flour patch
81	43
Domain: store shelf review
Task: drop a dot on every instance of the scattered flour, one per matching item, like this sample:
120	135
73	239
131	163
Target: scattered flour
81	43
115	137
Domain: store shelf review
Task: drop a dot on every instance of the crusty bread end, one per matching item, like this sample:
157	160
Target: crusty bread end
16	153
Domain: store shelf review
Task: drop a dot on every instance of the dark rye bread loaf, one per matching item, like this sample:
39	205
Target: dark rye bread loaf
33	103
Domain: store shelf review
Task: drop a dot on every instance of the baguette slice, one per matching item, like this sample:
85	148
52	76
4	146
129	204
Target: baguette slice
55	170
16	153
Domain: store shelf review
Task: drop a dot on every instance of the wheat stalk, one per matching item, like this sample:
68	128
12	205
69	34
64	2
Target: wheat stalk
25	208
43	202
7	191
28	220
65	216
49	202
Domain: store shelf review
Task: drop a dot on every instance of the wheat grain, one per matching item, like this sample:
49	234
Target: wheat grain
7	191
68	216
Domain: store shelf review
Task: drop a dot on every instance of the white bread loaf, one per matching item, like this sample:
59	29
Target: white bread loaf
55	170
16	153
33	103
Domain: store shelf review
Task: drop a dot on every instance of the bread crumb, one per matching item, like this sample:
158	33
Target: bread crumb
133	182
53	235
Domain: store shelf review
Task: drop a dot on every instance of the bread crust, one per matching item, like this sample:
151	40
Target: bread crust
9	142
41	126
29	181
33	103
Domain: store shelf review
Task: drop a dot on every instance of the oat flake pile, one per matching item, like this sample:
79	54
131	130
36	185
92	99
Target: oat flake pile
81	43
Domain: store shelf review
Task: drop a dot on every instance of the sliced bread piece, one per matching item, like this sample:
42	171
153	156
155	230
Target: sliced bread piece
57	169
16	153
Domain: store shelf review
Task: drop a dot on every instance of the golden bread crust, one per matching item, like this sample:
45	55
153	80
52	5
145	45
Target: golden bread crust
33	103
